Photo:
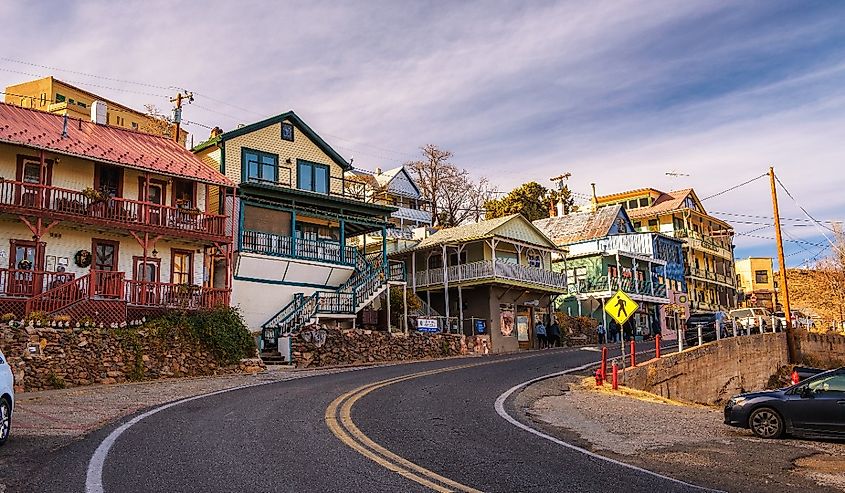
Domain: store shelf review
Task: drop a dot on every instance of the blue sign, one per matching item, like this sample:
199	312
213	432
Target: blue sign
480	326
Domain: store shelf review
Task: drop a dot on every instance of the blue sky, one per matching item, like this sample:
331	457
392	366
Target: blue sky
617	93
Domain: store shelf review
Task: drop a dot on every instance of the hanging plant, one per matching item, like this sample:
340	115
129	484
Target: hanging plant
24	264
95	195
82	258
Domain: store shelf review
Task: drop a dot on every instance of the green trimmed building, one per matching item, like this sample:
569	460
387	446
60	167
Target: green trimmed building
298	219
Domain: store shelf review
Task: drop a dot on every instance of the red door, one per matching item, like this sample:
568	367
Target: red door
107	281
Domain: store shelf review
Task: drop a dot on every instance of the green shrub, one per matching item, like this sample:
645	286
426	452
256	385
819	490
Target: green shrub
8	317
56	381
221	330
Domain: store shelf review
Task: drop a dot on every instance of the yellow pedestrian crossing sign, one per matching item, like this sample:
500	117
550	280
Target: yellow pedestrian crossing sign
620	307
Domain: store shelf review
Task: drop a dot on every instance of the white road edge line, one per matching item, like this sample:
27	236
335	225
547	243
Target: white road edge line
499	406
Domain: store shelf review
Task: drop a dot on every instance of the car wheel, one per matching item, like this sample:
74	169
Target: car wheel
5	419
766	423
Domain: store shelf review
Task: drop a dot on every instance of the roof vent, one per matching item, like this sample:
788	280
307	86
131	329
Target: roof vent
98	112
378	171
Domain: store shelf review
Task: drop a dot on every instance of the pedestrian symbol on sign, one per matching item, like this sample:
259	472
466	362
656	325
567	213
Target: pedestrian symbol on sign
620	307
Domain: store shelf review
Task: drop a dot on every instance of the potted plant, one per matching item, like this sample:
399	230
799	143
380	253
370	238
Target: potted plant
94	195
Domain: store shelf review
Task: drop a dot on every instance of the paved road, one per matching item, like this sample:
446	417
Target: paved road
276	438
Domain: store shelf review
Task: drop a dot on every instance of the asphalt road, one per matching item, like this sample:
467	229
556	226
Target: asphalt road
275	437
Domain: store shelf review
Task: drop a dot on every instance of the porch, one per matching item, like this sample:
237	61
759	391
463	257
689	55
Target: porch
491	270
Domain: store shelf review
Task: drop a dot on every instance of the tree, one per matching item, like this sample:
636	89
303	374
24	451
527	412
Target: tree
832	269
451	194
156	123
530	199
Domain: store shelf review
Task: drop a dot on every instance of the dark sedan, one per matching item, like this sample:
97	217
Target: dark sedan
814	407
706	321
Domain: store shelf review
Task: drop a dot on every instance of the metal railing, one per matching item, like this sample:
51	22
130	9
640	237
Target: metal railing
488	269
287	246
110	210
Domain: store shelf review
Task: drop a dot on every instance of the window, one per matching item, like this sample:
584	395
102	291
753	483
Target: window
535	260
632	204
71	101
644	202
43	99
761	276
31	172
60	98
638	225
180	267
832	383
134	125
183	194
81	104
652	225
455	260
287	131
261	166
109	179
435	262
312	177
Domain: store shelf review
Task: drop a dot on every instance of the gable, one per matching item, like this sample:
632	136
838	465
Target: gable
402	184
520	229
621	224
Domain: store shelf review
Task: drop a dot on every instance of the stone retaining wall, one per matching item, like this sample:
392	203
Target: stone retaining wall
712	373
46	358
356	346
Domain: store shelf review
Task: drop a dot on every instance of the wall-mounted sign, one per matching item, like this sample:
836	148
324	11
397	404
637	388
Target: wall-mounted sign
507	323
427	325
522	328
480	326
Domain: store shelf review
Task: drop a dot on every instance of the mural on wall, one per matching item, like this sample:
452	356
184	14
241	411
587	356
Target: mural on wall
506	320
522	328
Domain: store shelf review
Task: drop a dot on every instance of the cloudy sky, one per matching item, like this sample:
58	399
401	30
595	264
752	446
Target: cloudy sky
617	93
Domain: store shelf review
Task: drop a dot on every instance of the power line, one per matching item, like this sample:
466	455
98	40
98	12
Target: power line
796	219
815	221
734	187
87	83
125	81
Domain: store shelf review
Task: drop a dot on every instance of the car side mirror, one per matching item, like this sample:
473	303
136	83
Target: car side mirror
806	392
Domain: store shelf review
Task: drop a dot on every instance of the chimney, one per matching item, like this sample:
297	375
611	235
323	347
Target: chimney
216	132
595	197
98	112
378	171
551	208
560	208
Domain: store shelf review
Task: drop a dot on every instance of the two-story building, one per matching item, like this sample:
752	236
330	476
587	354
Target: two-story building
106	223
756	279
395	188
492	279
605	255
56	96
298	219
708	248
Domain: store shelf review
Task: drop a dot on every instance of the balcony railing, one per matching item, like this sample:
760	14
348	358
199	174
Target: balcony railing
29	197
336	187
703	242
25	283
286	246
488	269
627	284
168	295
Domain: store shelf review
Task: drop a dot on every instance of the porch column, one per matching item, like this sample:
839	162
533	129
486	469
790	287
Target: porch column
446	283
634	275
342	241
428	280
618	272
293	233
651	277
42	180
405	308
144	269
493	243
414	271
384	247
460	293
387	295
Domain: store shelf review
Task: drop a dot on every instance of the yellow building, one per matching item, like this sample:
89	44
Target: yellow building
756	279
54	96
708	248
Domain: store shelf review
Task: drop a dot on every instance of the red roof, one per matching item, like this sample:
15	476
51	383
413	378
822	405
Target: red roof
102	143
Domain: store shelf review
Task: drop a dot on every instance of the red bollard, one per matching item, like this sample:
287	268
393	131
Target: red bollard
599	378
615	382
604	362
657	346
633	354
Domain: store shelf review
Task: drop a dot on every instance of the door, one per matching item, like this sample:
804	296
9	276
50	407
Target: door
146	276
104	268
25	263
820	409
156	197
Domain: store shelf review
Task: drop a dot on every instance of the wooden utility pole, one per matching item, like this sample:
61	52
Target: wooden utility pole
790	335
177	111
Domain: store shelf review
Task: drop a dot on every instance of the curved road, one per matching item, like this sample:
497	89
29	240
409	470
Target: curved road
414	427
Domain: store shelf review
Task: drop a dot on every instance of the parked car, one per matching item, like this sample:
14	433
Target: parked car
799	320
746	318
814	407
7	399
707	322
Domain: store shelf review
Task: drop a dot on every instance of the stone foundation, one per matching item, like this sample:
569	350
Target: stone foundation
48	358
356	346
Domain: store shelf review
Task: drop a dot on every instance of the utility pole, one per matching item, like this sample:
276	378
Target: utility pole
177	110
790	335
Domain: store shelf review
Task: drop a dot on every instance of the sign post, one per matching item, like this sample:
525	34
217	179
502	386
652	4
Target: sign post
621	307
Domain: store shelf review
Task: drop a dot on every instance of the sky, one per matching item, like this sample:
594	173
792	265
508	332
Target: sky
617	93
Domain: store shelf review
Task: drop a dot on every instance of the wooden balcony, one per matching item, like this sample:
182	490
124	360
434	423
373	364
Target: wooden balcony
286	246
177	296
25	283
494	271
116	212
606	285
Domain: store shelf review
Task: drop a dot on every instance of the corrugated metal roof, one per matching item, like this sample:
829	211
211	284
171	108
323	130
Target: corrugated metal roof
666	202
481	230
102	143
579	226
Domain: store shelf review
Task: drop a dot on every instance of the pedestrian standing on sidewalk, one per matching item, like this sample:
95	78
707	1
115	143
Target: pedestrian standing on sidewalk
602	333
540	332
553	333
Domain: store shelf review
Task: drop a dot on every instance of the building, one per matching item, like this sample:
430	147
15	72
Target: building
492	279
104	222
396	188
708	248
298	219
756	280
55	96
605	256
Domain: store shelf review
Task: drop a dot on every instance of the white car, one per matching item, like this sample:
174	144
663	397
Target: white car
7	399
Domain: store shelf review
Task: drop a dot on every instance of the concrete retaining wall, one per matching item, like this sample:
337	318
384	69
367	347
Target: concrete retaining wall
712	373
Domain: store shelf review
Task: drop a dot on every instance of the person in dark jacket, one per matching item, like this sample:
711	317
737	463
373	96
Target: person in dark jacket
553	334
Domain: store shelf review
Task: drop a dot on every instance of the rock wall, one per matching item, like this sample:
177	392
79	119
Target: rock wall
712	373
356	346
47	358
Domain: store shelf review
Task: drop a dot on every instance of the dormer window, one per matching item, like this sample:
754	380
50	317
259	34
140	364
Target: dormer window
287	131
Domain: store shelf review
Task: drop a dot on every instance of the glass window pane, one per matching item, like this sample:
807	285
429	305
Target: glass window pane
31	173
305	177
251	165
321	179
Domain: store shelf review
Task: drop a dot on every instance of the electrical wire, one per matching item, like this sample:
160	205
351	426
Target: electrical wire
124	81
815	221
754	216
734	187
